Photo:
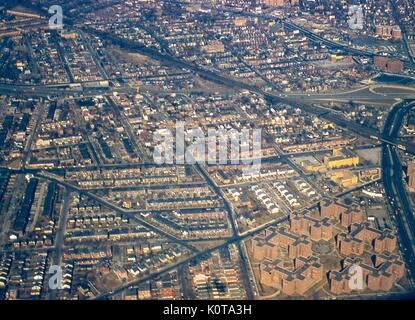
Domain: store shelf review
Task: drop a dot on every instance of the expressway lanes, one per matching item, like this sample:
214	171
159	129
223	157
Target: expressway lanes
398	181
375	94
398	202
293	26
222	80
322	112
397	15
395	189
35	90
394	120
59	90
45	91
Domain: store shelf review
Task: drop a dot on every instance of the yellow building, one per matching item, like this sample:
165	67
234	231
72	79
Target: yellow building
345	178
341	157
313	166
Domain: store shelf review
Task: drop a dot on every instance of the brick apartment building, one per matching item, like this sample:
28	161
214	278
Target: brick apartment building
354	242
379	275
330	209
347	245
353	214
317	229
292	278
389	65
289	264
267	246
263	247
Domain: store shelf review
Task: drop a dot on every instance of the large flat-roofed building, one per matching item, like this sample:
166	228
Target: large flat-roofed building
353	214
330	209
342	157
263	248
294	279
316	229
267	246
380	275
391	65
347	245
344	178
381	241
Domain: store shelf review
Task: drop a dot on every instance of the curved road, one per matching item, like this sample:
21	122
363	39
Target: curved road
395	189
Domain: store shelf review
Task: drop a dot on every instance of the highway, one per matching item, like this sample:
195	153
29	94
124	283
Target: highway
392	169
322	112
375	94
394	184
167	59
292	26
402	25
44	91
